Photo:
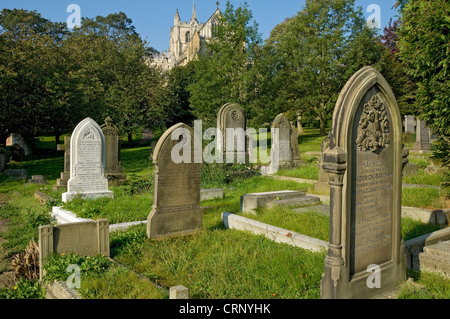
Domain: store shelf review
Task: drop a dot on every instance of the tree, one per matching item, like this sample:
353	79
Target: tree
424	43
318	51
115	55
27	55
225	72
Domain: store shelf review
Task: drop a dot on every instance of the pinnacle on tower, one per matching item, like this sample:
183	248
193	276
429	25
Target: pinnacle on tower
194	15
177	19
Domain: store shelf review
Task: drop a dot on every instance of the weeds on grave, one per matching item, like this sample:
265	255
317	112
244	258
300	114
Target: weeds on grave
26	264
57	265
24	289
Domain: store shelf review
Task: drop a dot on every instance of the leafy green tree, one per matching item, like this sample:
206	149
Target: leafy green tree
318	50
424	44
225	72
27	54
116	56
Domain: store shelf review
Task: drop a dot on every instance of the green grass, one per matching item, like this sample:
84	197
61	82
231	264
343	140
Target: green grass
423	197
213	263
308	171
225	264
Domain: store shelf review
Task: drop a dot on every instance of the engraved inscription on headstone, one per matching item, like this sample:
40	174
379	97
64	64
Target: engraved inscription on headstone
87	163
364	160
176	205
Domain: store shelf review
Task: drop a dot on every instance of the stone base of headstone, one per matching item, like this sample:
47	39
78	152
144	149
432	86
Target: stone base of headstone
436	259
410	169
37	179
69	196
208	194
61	183
322	187
116	179
422	146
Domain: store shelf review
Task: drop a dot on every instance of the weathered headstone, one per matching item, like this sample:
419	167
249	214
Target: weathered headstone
364	161
176	204
422	137
61	182
113	165
17	139
409	124
87	238
288	150
231	118
87	163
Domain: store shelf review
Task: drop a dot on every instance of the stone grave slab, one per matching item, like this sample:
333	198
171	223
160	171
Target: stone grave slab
250	202
436	259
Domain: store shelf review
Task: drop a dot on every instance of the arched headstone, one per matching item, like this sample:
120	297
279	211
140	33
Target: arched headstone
176	197
87	163
364	161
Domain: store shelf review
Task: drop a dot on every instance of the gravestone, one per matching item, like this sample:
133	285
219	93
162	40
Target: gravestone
232	116
17	139
176	197
37	179
422	137
288	150
113	166
89	238
364	161
87	163
409	124
61	183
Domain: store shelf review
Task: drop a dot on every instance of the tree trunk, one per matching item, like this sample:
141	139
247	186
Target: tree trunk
322	126
130	138
57	137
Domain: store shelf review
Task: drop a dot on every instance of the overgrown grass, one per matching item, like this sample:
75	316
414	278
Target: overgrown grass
225	264
213	263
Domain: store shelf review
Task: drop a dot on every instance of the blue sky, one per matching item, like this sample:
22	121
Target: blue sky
153	19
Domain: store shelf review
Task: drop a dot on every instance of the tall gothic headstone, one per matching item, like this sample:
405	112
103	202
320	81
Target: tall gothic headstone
176	197
87	163
231	118
364	161
113	166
